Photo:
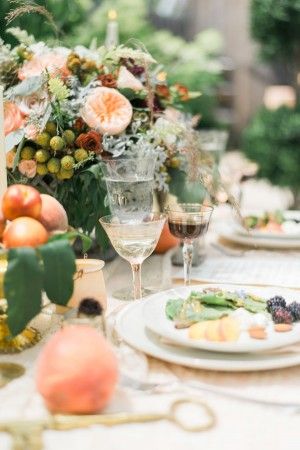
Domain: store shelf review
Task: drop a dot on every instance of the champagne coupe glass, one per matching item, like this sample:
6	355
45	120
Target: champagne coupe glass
188	221
129	183
134	240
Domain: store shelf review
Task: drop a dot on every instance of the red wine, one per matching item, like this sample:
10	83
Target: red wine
187	230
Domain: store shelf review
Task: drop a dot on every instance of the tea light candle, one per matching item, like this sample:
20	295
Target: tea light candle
112	30
3	175
276	96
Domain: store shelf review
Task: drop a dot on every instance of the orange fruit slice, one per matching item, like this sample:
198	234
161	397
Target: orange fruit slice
107	111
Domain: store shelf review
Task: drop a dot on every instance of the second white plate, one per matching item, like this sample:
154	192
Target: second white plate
259	242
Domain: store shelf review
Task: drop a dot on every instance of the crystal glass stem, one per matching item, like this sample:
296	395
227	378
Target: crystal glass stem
187	252
137	281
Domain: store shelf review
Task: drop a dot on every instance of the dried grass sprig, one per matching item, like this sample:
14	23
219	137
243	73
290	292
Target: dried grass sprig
22	7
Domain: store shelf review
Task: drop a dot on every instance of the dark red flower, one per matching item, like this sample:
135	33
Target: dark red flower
162	91
108	80
79	124
91	141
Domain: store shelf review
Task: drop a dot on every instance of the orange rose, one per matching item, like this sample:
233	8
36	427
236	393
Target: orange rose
27	168
90	141
54	62
183	91
13	118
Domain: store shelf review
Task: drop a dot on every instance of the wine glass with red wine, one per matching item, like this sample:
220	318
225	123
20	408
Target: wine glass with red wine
188	221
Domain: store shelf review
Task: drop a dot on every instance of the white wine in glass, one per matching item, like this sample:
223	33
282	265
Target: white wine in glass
134	240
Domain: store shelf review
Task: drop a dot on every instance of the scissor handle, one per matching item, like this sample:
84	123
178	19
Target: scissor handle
202	426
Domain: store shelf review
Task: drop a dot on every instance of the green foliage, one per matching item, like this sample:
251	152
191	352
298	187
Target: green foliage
275	24
83	198
273	140
59	268
50	268
22	287
67	14
185	191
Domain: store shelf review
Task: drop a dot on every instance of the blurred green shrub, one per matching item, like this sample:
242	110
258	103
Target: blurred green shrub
273	140
275	24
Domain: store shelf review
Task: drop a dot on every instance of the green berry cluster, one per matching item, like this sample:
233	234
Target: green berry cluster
55	153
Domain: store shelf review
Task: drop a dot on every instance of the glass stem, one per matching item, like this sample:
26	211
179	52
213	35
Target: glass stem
137	281
187	252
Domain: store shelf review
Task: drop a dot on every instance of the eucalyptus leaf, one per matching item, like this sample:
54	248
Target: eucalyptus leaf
23	283
13	139
59	269
18	154
26	87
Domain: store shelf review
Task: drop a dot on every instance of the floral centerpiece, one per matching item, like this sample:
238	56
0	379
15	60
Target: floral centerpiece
67	109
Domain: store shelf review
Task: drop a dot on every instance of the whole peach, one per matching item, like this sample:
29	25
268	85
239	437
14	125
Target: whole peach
53	215
24	232
166	241
77	371
21	200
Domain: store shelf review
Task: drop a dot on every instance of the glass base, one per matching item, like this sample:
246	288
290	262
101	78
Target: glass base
199	254
126	294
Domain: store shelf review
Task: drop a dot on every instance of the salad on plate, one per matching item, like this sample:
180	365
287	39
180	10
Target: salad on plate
218	315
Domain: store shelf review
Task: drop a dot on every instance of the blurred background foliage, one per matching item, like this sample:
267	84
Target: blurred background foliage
273	136
275	25
273	140
195	63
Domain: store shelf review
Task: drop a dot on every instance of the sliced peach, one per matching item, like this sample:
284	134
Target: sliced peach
213	331
229	329
197	331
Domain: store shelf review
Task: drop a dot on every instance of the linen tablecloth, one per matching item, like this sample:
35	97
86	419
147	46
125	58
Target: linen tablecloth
240	425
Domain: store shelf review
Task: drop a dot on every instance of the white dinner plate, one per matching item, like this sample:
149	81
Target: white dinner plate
130	327
291	234
231	234
155	319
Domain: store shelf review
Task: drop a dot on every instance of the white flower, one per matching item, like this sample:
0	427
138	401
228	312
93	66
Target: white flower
127	80
35	103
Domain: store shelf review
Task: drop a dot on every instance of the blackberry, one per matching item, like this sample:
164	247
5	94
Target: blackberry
275	302
294	309
90	307
281	315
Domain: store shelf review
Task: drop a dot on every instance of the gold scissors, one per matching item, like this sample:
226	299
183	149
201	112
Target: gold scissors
28	433
66	422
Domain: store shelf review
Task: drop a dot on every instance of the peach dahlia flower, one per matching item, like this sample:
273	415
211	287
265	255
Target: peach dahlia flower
107	111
